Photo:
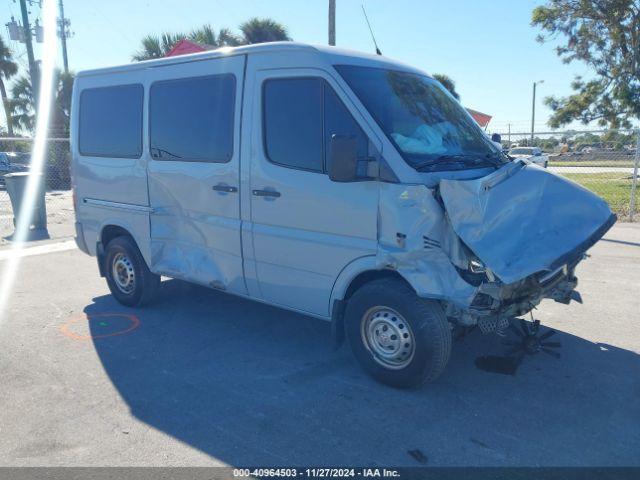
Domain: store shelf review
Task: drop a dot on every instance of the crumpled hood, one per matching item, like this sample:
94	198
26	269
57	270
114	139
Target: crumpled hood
523	219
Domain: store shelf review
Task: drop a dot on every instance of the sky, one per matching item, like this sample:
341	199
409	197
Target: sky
488	47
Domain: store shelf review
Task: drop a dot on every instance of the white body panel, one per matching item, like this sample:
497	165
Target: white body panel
300	249
119	185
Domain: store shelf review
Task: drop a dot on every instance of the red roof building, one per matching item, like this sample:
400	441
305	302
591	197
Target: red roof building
482	118
184	47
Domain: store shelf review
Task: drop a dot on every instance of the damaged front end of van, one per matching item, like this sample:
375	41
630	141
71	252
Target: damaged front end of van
490	249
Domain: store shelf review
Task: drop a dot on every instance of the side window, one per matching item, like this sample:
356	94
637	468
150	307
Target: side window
111	121
300	115
338	121
292	120
191	119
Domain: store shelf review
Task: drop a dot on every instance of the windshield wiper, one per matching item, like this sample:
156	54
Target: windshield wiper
456	159
496	157
441	160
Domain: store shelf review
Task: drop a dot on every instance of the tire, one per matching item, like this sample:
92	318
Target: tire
135	285
420	325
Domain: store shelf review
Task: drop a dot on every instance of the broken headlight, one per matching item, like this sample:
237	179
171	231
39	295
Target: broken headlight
476	272
476	266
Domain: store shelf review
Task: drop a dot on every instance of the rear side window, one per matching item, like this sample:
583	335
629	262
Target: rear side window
191	119
300	116
111	121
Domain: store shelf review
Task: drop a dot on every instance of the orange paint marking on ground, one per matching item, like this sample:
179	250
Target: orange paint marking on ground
66	330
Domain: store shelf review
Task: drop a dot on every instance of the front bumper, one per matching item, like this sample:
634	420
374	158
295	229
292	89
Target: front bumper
496	303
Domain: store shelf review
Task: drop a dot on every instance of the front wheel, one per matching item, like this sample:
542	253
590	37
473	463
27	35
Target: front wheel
128	277
400	339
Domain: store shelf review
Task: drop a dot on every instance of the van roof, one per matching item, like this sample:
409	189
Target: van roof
333	54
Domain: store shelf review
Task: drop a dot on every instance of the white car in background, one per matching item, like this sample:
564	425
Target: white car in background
533	154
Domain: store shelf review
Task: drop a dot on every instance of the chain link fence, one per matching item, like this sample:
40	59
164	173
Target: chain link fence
604	161
15	156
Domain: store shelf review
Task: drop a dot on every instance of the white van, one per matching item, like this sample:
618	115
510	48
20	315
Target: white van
341	185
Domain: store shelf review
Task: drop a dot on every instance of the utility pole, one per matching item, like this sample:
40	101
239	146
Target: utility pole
33	68
332	22
533	109
63	33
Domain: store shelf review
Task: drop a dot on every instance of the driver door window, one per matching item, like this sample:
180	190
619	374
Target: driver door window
300	117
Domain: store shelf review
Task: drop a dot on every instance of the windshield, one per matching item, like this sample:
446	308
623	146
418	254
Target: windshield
431	130
521	151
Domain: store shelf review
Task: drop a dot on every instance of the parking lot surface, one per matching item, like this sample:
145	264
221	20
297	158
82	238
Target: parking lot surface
203	378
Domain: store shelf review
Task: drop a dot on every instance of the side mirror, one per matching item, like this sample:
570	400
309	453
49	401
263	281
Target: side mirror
496	138
537	154
343	158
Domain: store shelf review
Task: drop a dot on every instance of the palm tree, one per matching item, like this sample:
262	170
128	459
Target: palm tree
8	68
59	124
23	104
261	30
255	30
157	47
207	36
447	83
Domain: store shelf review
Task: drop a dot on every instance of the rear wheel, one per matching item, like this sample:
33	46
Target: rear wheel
401	339
128	277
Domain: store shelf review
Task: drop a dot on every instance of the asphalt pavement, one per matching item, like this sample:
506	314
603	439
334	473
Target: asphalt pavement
203	378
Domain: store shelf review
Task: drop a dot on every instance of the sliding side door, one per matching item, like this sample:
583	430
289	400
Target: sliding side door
194	123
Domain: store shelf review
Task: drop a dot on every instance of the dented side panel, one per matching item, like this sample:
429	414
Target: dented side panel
415	239
195	219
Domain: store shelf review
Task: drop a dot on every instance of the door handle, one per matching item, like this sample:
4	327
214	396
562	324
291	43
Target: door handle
266	193
225	188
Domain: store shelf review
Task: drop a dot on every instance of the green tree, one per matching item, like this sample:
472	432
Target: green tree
447	83
605	35
254	30
154	46
61	114
206	35
261	30
8	68
23	104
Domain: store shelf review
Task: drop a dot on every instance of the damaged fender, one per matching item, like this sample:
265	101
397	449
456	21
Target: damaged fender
415	239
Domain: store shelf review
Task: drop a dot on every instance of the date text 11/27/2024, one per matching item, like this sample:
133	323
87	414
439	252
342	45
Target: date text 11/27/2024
317	472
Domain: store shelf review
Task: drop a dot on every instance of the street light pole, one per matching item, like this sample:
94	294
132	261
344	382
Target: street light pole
533	109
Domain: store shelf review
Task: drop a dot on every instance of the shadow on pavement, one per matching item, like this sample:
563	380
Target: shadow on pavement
623	242
251	384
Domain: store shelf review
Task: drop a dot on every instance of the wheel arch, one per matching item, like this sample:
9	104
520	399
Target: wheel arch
356	274
108	231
